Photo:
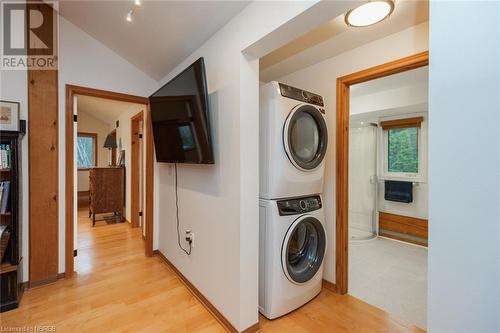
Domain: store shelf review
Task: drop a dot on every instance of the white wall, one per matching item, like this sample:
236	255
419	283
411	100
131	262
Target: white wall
464	167
391	104
219	203
321	79
419	206
86	62
13	87
400	97
88	123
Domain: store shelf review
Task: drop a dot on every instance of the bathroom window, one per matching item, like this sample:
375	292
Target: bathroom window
402	149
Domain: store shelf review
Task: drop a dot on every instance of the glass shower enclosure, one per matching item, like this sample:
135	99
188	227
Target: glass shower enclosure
363	184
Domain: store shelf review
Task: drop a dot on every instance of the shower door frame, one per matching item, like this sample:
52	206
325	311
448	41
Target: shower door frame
342	153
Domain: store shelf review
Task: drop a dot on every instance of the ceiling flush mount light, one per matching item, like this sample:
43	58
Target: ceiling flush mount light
137	2
369	13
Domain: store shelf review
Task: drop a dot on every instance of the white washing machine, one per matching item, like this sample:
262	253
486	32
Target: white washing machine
293	141
292	245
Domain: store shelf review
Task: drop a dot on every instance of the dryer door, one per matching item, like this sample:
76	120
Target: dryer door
303	249
305	137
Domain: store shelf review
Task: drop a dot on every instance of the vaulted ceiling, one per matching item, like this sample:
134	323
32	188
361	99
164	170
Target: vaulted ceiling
162	33
106	110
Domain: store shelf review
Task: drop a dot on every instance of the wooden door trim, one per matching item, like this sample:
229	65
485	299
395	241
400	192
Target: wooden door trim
342	152
134	174
71	91
113	150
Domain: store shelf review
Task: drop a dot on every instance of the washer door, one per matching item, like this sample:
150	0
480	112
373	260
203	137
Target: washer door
305	137
303	249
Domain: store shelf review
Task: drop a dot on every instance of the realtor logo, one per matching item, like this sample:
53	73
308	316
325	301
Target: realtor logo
29	35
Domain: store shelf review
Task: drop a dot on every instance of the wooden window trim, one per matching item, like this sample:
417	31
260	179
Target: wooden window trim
402	123
94	137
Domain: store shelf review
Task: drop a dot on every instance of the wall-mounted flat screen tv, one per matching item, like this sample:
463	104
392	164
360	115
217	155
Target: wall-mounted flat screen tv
179	113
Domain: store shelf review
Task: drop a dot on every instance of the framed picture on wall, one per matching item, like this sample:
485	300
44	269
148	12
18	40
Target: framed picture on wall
9	116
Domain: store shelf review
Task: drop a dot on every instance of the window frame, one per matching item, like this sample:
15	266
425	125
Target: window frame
94	137
421	175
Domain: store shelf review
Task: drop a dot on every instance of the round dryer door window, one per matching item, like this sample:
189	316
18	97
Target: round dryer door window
303	249
305	137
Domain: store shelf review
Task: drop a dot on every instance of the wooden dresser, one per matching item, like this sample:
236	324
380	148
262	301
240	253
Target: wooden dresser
107	187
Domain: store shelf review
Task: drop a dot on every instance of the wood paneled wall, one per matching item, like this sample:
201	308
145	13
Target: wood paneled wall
404	228
43	172
43	175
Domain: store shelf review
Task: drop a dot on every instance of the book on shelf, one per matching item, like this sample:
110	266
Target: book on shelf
5	196
5	156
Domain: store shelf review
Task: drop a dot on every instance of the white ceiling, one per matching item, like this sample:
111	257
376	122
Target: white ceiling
393	95
162	34
106	110
414	78
335	37
373	117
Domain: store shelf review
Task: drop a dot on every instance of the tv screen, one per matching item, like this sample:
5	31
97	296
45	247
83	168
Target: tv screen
179	113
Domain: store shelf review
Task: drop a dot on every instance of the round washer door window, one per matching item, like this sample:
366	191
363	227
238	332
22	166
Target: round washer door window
305	137
303	249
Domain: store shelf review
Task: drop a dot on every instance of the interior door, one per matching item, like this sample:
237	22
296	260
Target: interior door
141	174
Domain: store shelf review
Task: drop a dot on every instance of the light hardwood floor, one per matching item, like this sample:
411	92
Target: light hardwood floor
117	289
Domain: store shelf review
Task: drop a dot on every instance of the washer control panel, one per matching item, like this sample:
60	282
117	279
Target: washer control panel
301	95
298	206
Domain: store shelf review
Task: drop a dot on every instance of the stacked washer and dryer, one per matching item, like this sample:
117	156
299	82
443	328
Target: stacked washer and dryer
292	237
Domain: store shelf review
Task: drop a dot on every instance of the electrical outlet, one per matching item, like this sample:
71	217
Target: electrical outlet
189	237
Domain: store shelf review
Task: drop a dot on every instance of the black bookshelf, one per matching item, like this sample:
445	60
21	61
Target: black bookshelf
11	286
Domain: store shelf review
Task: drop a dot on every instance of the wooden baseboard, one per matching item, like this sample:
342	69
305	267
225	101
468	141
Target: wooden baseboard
204	301
329	285
403	239
43	282
404	228
252	329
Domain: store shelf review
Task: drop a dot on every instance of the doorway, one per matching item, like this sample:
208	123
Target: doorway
71	207
379	149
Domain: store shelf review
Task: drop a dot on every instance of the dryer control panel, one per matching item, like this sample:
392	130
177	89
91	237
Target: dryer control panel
298	206
301	95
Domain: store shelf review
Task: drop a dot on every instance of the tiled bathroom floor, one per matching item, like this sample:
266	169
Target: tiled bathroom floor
390	275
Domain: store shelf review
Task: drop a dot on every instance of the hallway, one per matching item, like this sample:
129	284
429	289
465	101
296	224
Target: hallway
117	289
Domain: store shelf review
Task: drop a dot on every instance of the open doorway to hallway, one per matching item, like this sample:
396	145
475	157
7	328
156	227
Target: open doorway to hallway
109	162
